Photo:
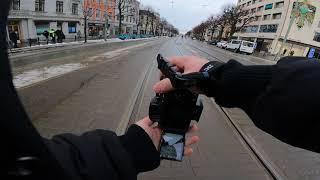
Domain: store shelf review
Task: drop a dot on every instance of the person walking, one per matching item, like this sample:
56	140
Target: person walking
14	39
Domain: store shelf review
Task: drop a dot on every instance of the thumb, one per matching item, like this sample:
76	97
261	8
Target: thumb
163	86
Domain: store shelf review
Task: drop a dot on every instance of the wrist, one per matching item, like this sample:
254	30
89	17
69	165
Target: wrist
211	69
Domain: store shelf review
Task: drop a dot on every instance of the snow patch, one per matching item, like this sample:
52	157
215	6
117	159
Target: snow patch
33	76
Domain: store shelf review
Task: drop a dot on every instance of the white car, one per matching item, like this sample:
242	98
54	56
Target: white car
247	47
234	45
222	44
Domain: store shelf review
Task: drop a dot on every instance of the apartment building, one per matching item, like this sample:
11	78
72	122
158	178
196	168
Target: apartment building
130	17
271	19
101	12
30	18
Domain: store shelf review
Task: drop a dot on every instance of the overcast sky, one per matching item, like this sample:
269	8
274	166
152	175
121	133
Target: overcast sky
186	14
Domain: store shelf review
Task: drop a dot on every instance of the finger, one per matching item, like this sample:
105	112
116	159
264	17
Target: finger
194	128
188	151
178	61
163	86
192	140
146	121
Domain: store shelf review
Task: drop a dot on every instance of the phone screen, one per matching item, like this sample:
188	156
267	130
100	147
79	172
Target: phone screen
172	146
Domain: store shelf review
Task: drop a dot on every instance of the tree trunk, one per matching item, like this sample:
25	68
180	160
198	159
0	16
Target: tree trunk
232	30
221	33
85	29
120	18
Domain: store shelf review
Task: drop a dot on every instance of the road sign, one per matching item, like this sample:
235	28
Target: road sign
311	53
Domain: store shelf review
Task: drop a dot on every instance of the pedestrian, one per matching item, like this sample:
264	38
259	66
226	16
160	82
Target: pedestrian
281	99
14	38
52	34
100	34
79	34
46	35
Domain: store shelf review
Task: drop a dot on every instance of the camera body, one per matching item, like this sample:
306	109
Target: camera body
175	110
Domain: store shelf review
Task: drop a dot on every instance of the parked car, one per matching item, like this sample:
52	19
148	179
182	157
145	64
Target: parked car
247	47
222	44
213	42
234	45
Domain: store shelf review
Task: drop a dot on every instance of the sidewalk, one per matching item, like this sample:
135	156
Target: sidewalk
66	44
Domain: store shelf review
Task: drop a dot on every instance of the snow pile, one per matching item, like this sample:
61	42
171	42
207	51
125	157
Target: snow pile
33	76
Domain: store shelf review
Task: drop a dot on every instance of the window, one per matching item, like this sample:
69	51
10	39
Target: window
276	16
268	6
75	9
41	27
279	4
259	8
250	29
316	36
258	18
254	1
15	5
59	6
72	27
249	3
39	5
266	17
98	14
253	10
271	28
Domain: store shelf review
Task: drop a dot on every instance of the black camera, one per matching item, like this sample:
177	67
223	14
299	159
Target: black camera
174	112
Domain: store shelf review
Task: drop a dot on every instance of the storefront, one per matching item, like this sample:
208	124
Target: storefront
14	26
42	26
263	45
95	28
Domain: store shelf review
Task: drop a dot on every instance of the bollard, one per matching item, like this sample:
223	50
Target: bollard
38	41
75	38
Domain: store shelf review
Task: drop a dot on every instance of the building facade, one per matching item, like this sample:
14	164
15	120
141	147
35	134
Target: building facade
30	18
149	22
130	17
101	13
271	23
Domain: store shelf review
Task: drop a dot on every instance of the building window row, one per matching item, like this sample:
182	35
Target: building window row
266	7
268	17
268	28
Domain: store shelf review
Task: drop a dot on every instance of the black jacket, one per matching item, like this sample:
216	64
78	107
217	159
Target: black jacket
101	154
283	99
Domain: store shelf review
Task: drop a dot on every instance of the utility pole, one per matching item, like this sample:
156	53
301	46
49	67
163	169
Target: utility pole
292	18
172	3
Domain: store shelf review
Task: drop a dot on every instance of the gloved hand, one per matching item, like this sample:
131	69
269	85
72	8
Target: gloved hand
191	64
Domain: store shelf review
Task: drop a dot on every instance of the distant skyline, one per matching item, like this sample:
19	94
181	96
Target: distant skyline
185	14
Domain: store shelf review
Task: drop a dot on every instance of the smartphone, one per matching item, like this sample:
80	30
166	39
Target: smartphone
172	146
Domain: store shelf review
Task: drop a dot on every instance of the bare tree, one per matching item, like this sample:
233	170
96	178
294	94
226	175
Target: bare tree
87	13
212	23
121	5
199	31
237	18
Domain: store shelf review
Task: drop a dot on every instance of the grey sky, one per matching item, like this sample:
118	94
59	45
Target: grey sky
186	14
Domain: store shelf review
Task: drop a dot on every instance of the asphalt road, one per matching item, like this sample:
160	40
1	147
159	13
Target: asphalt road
120	93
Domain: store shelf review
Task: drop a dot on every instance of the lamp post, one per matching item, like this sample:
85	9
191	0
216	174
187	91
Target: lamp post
292	18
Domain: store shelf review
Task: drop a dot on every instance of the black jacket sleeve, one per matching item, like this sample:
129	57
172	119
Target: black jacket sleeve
101	154
282	99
